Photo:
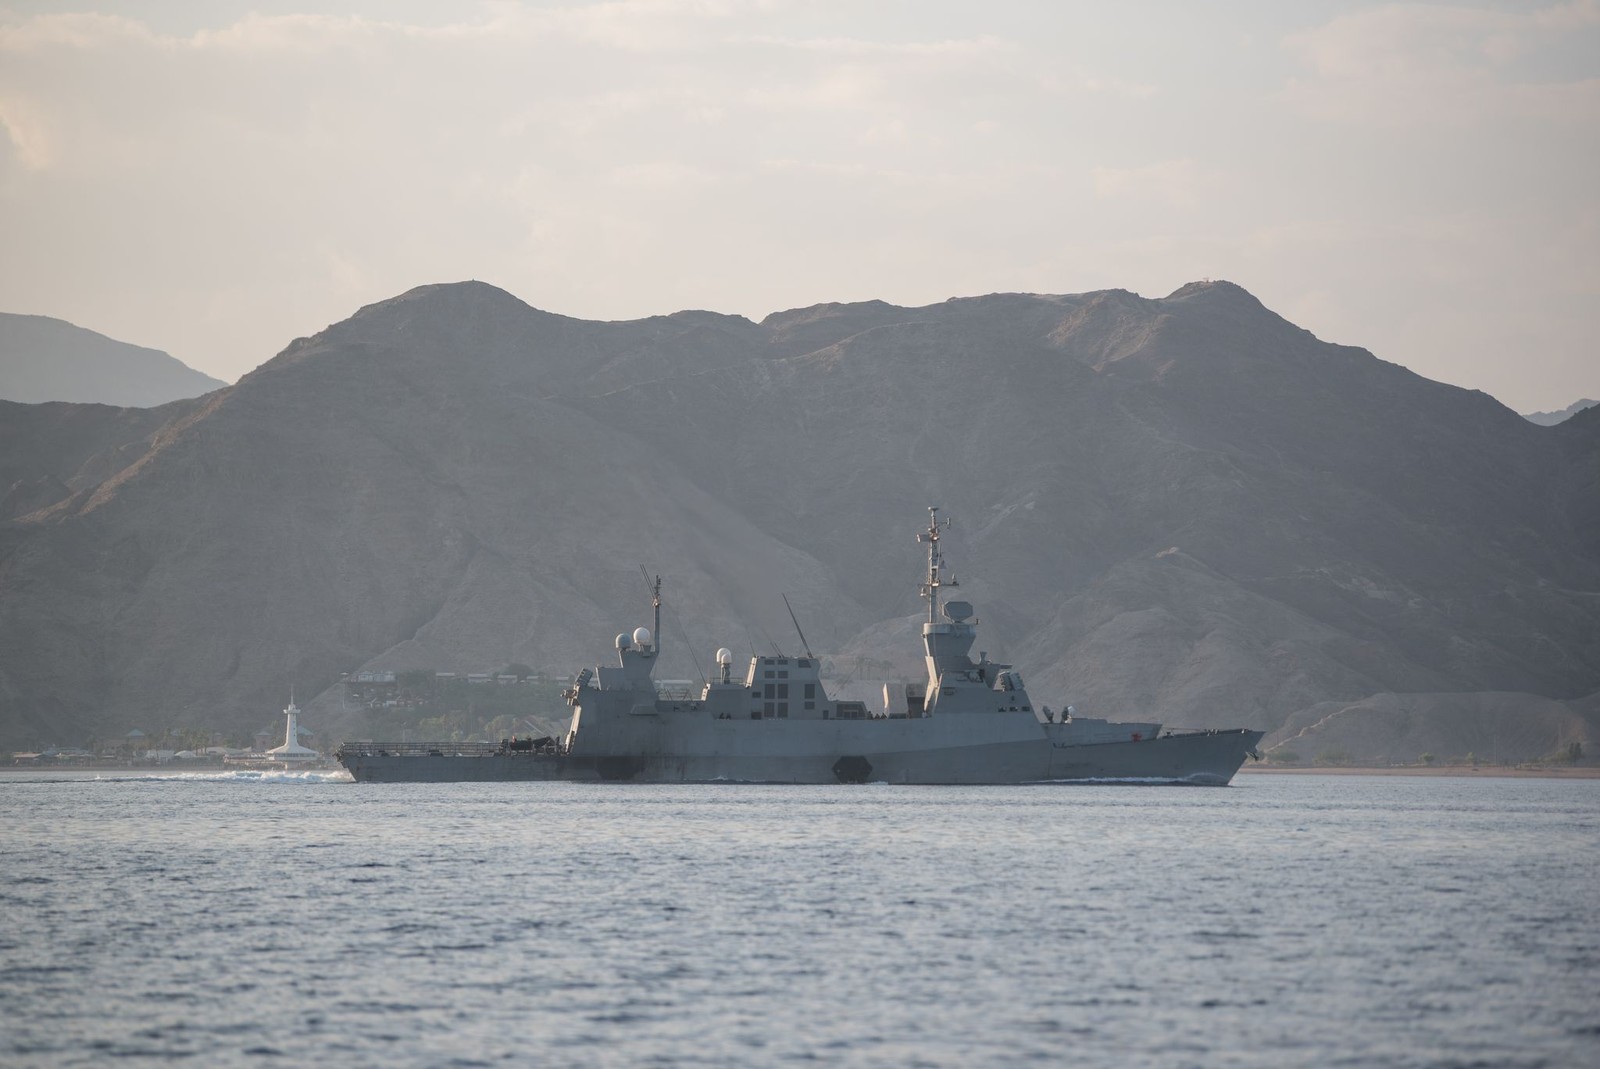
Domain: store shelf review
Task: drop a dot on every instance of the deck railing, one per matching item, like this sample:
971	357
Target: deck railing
417	749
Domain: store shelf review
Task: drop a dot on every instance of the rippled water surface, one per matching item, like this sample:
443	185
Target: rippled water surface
1288	920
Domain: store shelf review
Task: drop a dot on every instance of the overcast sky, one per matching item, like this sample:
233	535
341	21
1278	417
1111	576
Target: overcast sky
216	178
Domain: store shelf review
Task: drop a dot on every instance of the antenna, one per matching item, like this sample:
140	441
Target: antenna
655	600
930	588
684	636
768	637
803	643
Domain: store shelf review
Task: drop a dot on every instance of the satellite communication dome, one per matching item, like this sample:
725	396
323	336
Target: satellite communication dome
641	636
724	656
622	641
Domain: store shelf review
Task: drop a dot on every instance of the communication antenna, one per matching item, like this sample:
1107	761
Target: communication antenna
803	643
768	637
655	601
677	623
930	588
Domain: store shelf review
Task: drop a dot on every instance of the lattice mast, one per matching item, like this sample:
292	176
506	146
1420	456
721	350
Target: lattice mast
935	580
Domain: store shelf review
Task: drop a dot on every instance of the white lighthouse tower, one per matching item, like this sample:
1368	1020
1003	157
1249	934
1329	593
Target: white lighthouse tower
291	752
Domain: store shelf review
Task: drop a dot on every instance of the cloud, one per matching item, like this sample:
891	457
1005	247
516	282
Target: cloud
1404	65
28	132
217	191
1180	182
372	154
662	175
1118	87
983	46
81	30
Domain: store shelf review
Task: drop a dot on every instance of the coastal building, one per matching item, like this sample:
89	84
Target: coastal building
291	752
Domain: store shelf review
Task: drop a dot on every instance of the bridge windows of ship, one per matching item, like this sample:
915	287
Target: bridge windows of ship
774	698
778	667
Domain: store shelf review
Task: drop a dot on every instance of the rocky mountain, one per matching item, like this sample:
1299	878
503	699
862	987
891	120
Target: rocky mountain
1185	508
44	359
1550	419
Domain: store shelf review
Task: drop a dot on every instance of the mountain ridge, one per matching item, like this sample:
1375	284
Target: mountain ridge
1551	419
44	359
1231	522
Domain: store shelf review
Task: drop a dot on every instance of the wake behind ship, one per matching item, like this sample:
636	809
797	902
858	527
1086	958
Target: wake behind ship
970	722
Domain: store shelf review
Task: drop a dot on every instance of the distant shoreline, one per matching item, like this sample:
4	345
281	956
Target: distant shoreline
1555	772
80	771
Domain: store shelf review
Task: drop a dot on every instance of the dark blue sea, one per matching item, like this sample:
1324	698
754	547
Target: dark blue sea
300	919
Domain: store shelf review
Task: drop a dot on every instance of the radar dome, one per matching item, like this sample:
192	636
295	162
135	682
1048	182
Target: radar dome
622	641
641	636
724	656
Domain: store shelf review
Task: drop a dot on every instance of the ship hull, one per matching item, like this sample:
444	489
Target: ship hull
1201	759
970	722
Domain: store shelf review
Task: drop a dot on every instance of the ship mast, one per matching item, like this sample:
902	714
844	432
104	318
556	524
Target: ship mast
930	589
655	601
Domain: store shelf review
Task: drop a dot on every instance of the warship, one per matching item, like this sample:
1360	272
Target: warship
971	721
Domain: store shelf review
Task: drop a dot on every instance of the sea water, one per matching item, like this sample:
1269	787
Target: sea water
301	919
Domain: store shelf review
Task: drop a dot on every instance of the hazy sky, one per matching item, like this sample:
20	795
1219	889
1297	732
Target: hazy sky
216	178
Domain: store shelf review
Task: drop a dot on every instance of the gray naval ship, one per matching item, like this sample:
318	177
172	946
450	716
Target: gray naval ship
970	722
